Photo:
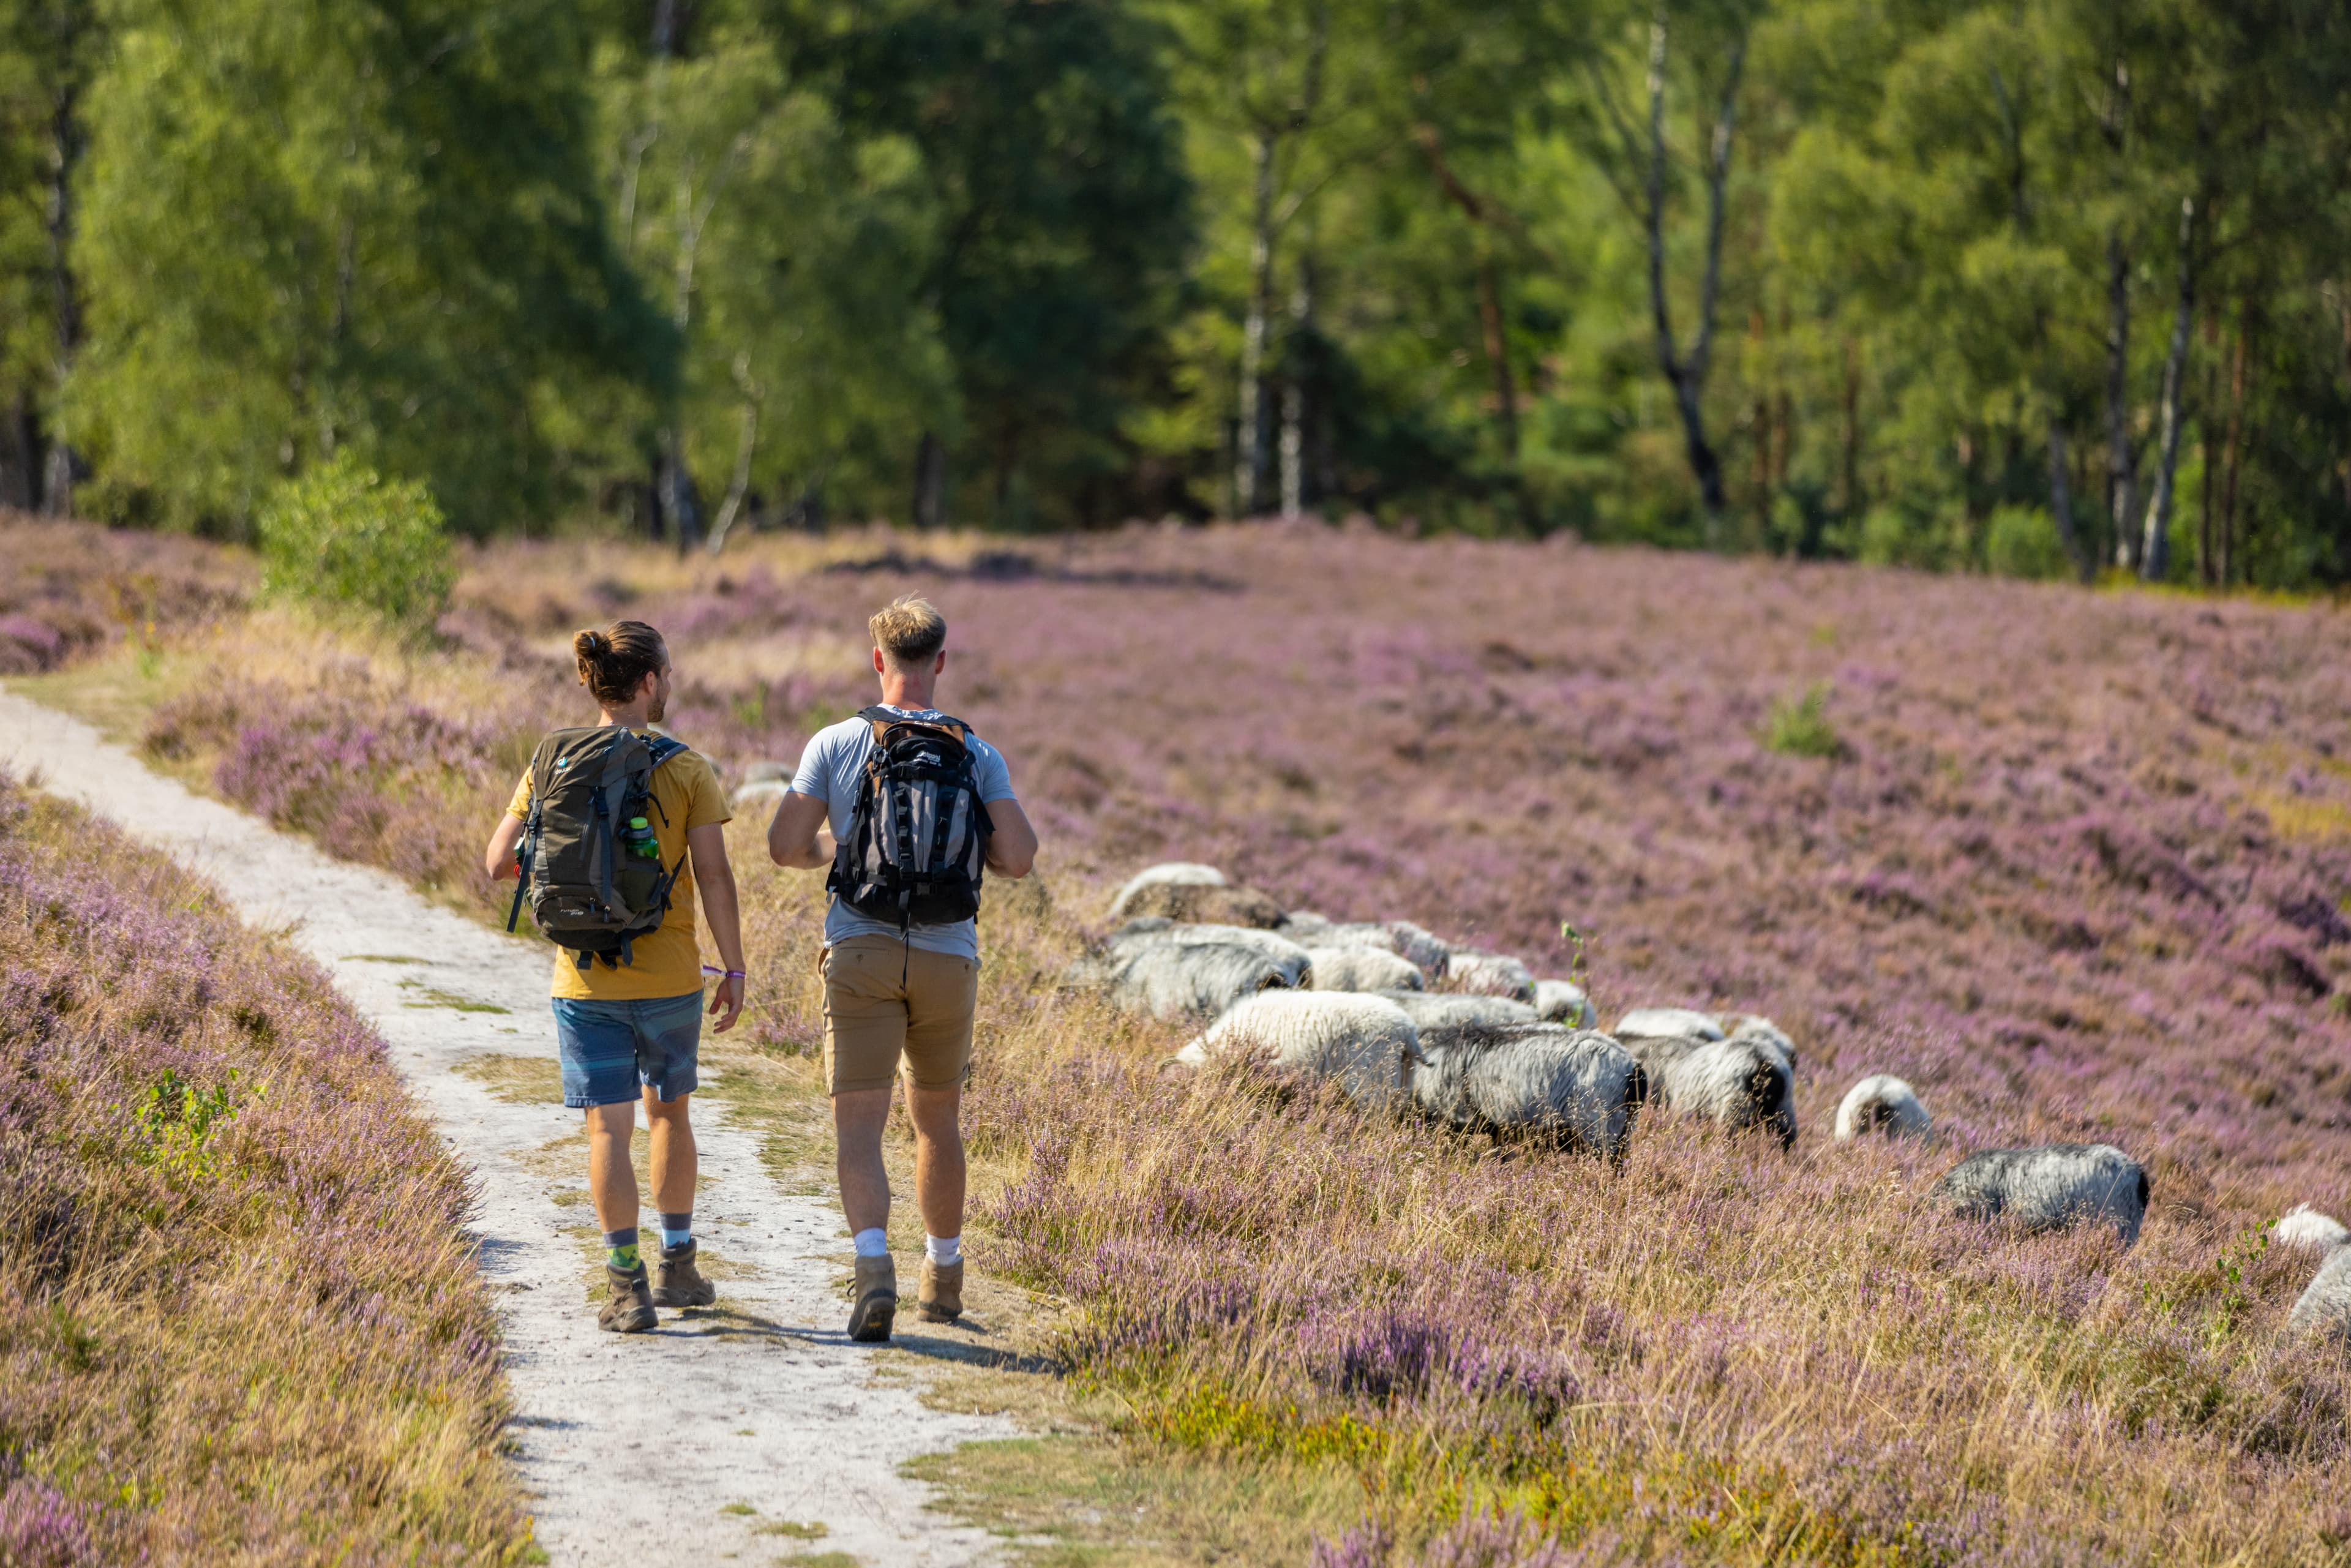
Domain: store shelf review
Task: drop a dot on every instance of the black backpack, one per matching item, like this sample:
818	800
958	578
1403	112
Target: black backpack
595	881
917	838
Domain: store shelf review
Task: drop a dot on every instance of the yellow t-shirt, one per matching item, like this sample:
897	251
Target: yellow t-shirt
669	962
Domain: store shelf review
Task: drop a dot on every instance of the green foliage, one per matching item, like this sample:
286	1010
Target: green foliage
178	1126
1802	728
341	537
2022	541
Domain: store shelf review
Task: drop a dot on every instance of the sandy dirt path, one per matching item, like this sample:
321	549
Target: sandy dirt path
634	1445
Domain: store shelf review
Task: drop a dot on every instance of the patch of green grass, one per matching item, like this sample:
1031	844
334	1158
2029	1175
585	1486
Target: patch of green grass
1802	728
824	1559
382	958
436	998
794	1529
518	1079
739	1507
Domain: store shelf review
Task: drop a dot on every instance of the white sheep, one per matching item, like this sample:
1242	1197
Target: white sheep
1880	1103
1172	980
2303	1226
1183	873
1362	969
1157	931
759	793
1575	1087
1304	926
1668	1023
1736	1083
1752	1026
1430	1011
1563	1001
1489	975
2325	1306
2050	1186
1361	1043
1421	949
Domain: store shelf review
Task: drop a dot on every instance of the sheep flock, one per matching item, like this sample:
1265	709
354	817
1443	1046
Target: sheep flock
1402	1021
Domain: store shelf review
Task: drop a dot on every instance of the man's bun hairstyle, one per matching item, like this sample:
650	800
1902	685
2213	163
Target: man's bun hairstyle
909	630
614	662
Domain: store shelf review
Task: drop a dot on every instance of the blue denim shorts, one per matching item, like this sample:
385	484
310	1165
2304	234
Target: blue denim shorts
612	1050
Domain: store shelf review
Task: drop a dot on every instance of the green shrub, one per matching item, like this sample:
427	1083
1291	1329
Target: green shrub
340	536
2022	541
1800	728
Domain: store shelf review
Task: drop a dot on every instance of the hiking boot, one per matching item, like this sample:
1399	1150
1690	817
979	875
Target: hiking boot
941	1299
631	1309
680	1284
877	1299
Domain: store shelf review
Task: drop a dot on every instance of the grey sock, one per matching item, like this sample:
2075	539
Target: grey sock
678	1228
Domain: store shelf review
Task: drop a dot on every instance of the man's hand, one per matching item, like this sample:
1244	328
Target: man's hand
791	837
726	1003
1012	847
499	857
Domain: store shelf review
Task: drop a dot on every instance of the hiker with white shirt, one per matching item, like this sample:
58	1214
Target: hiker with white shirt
919	808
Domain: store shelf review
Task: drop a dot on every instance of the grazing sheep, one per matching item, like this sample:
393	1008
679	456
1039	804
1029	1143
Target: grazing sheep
759	792
1736	1083
1362	969
1752	1026
1432	1011
2325	1306
1575	1087
1668	1023
1489	975
1177	873
1421	949
1880	1103
1361	1043
1304	926
761	773
2050	1186
1563	1001
1172	980
1155	931
2303	1226
1200	904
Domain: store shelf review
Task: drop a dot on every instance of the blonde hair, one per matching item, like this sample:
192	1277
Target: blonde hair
909	630
614	662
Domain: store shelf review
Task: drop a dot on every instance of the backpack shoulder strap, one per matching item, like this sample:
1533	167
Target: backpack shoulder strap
881	717
664	747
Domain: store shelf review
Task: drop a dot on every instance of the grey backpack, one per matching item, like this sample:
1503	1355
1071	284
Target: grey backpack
588	861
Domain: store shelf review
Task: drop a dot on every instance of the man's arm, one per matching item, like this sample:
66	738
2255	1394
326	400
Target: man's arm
791	837
707	846
498	859
1012	847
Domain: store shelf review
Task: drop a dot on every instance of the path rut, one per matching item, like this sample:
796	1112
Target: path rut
628	1443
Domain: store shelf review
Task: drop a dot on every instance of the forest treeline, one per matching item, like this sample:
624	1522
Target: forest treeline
2045	286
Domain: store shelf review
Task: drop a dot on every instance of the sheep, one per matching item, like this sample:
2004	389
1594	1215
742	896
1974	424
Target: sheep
2050	1187
1563	1001
1423	950
1752	1026
1360	970
2326	1307
1489	975
2303	1226
1179	873
1304	926
1360	1042
1737	1083
1156	931
1170	979
1880	1103
1429	1012
759	792
1668	1023
1573	1087
1201	903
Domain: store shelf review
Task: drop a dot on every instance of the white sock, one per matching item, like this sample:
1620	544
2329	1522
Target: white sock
942	1250
873	1243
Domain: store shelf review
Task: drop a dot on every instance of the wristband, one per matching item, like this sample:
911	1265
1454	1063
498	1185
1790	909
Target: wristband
725	974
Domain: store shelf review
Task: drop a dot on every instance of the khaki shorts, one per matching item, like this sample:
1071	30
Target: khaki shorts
883	1000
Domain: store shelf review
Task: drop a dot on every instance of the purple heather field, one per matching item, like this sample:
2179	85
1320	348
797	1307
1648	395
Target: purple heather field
2074	863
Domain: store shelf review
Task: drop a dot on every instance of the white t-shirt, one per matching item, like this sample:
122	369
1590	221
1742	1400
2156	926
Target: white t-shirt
830	770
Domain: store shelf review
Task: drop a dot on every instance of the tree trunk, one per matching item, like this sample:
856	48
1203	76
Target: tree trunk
679	502
2060	502
2155	552
930	483
2248	323
1296	393
2122	473
65	155
1498	355
747	441
1849	405
1248	439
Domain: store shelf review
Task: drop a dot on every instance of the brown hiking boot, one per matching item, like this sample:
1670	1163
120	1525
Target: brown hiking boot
680	1284
941	1298
631	1309
877	1299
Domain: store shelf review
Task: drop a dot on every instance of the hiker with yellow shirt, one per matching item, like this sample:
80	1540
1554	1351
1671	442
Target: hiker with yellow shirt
612	829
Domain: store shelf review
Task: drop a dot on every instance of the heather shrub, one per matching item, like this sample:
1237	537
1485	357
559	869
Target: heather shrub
340	536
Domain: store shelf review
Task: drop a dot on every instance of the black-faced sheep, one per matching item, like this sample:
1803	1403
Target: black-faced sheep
1167	873
1205	904
1489	975
1156	931
2326	1307
1361	1043
1736	1083
1573	1087
1431	1011
2302	1225
1173	979
1880	1103
1360	970
2050	1187
1563	1001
